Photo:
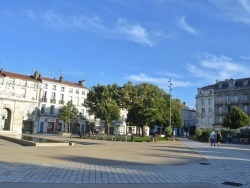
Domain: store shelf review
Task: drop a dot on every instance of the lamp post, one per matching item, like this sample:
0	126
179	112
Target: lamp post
170	89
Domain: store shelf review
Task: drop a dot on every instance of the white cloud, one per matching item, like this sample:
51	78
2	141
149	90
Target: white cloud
182	23
122	29
211	67
134	32
234	10
163	82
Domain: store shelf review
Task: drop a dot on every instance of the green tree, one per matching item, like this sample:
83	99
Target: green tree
69	114
145	103
176	119
168	131
104	102
109	111
236	118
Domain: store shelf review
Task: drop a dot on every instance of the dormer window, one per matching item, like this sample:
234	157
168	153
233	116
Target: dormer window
245	83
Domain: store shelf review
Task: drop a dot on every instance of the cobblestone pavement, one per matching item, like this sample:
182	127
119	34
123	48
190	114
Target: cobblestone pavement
225	166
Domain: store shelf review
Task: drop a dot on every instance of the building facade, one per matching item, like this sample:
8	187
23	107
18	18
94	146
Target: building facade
188	120
215	101
205	107
19	99
31	103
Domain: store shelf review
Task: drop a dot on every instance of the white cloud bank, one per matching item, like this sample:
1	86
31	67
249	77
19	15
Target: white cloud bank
211	67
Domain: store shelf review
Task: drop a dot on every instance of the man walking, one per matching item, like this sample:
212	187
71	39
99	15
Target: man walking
213	138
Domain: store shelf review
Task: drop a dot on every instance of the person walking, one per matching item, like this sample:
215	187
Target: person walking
213	138
218	138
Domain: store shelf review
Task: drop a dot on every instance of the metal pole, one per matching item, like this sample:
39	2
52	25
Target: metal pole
170	89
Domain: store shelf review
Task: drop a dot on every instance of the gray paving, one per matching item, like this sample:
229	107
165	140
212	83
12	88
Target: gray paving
95	164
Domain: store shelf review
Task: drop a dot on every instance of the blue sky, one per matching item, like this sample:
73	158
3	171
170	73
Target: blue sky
193	43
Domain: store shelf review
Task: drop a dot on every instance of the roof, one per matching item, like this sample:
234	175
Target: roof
38	78
225	84
15	75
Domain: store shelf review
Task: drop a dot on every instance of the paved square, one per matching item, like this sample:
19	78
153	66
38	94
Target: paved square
94	163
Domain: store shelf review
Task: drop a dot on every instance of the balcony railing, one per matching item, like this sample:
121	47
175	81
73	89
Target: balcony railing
61	101
44	99
52	100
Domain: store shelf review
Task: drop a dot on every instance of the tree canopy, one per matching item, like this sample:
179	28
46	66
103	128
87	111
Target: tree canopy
146	104
69	114
236	118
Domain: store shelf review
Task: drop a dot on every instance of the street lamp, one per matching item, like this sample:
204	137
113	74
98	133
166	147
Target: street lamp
170	89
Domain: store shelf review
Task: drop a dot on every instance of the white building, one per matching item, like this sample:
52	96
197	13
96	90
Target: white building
54	94
188	119
205	107
19	95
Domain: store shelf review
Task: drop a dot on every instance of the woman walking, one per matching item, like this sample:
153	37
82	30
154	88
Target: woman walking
218	137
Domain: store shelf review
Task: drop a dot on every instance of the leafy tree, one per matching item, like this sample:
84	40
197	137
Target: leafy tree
176	119
236	118
168	131
146	104
109	111
104	102
69	114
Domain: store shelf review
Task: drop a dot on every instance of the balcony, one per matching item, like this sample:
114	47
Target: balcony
61	101
53	101
48	114
43	99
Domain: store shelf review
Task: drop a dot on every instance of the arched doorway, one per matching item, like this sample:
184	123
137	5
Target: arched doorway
6	119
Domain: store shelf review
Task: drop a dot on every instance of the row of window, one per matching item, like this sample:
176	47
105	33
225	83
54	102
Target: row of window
62	89
52	110
209	101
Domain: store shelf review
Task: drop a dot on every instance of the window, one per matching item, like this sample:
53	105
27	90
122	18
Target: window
23	92
83	92
52	109
77	91
202	101
76	101
53	95
210	91
34	95
244	97
235	98
210	110
70	98
62	89
199	92
228	108
1	81
54	87
43	109
61	100
220	120
210	120
228	98
45	86
210	101
219	99
245	107
202	110
220	109
71	90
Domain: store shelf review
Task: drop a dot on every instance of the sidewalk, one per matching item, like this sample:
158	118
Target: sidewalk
172	164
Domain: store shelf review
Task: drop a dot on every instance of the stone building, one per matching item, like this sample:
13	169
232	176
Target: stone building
19	98
214	102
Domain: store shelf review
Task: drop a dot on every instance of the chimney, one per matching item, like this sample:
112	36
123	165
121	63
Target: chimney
184	103
81	83
36	75
40	76
61	79
1	71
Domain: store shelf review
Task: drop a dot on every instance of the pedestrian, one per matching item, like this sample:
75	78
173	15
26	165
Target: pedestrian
213	138
218	138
